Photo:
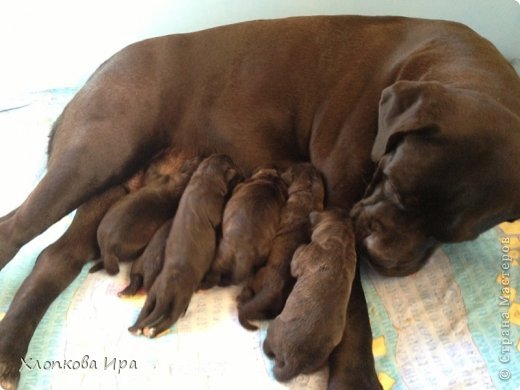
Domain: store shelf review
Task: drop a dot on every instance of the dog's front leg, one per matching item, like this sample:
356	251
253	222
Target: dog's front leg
55	268
351	364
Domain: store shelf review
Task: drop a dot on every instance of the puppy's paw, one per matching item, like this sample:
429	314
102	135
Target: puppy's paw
263	297
221	271
246	308
268	349
245	295
136	282
167	300
282	370
111	268
211	279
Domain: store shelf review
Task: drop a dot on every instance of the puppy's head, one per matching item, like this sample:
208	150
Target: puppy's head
331	225
220	166
305	177
264	173
448	163
190	165
267	174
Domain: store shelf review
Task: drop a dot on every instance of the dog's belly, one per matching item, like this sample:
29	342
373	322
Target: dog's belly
258	94
250	142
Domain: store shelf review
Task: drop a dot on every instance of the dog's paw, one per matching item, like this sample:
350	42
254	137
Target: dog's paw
361	380
245	309
211	279
110	267
11	350
9	374
166	302
136	282
283	369
263	297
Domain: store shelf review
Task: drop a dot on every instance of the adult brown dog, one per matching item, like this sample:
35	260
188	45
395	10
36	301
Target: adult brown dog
430	103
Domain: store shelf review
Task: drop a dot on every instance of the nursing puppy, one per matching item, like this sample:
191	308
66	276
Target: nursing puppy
145	269
266	292
311	324
251	218
190	246
130	224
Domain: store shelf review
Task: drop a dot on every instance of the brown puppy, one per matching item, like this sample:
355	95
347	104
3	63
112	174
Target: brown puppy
145	269
190	246
266	292
130	224
311	324
250	221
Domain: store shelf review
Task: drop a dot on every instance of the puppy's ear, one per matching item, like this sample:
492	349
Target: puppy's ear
315	218
233	177
288	176
408	107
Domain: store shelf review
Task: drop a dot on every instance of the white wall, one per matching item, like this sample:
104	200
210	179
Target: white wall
55	43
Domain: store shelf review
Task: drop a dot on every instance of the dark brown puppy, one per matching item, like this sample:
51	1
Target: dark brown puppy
250	221
129	225
311	324
190	246
266	292
145	269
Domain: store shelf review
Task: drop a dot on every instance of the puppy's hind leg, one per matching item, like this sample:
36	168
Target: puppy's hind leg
110	263
98	141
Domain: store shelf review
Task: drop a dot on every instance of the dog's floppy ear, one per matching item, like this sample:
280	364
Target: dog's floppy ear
406	107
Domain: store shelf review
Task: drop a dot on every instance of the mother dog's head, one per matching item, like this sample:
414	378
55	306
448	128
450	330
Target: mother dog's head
448	169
